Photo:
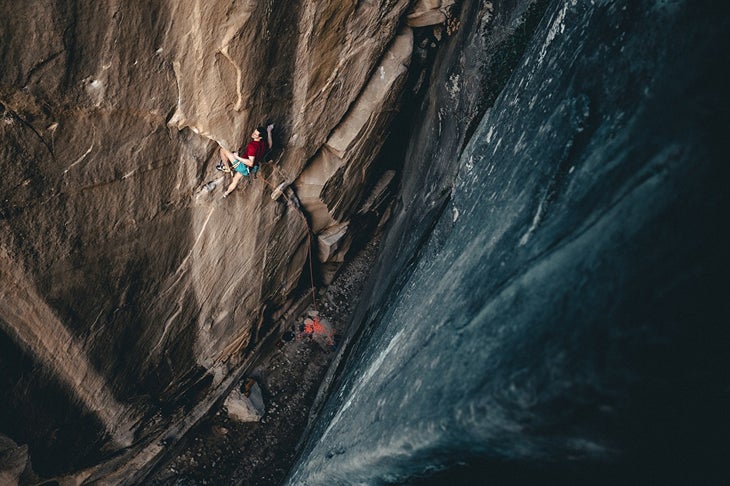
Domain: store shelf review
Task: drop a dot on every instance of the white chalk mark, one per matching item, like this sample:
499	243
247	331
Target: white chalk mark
88	151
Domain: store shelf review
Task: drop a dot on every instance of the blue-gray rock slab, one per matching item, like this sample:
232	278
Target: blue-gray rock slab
564	319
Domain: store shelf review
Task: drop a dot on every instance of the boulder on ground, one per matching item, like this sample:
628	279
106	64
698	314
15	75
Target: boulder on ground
13	460
247	405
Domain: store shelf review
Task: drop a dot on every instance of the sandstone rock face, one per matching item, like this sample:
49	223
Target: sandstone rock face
428	12
125	278
13	461
336	179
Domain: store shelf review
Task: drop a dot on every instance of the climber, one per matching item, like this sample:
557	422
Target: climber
248	165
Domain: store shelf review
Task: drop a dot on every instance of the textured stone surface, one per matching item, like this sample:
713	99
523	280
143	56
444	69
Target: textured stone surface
428	12
13	461
335	181
124	277
549	305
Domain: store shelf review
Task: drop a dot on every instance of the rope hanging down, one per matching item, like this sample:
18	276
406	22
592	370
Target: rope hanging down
275	191
237	344
312	326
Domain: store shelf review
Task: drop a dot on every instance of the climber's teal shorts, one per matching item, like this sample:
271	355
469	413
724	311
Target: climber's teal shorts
246	170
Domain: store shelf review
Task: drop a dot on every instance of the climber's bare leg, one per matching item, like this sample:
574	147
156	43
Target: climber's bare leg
227	157
236	179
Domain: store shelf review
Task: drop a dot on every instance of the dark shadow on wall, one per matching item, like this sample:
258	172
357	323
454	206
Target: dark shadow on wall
36	410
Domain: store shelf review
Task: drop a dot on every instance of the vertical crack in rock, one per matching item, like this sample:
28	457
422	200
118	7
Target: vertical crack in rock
204	101
178	119
232	31
334	181
239	78
301	67
332	66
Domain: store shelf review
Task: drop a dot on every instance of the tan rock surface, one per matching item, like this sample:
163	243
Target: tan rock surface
119	268
428	12
332	186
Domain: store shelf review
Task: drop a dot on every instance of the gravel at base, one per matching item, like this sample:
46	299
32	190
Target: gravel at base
221	451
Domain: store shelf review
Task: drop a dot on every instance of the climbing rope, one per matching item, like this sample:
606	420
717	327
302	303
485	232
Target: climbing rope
314	325
241	340
309	236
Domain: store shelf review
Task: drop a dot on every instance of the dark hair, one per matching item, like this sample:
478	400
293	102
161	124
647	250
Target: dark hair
261	130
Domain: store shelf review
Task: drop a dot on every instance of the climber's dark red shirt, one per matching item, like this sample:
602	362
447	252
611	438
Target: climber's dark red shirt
256	149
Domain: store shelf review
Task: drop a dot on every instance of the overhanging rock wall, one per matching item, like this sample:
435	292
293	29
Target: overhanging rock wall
128	286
